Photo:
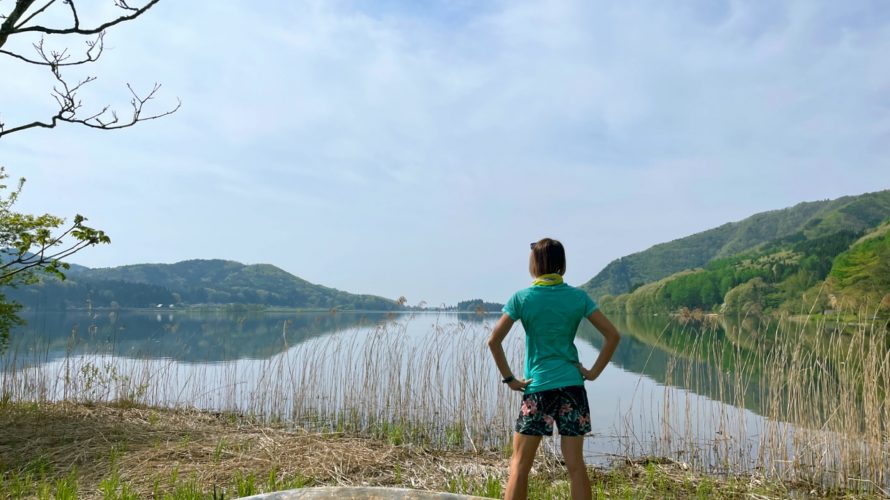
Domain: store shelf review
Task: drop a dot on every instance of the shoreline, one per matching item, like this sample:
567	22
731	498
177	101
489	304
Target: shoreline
85	450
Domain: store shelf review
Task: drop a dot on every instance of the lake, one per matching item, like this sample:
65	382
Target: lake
698	394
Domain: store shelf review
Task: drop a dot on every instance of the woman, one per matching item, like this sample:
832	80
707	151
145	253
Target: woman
553	382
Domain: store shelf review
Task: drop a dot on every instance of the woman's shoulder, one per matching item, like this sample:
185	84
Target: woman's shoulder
576	290
580	293
523	292
520	295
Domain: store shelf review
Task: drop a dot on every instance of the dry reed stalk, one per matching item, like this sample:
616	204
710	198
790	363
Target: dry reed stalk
822	395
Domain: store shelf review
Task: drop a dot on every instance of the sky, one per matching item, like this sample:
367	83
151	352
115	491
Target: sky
407	148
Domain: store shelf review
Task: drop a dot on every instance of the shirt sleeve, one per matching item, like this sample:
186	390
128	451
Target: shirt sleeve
513	307
589	306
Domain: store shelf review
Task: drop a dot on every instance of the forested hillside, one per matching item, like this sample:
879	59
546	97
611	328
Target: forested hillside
190	282
861	275
839	255
804	221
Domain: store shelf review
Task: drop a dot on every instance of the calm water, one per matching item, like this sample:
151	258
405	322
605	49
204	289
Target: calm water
235	361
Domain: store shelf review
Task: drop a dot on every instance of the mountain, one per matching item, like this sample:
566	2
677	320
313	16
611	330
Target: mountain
804	221
191	282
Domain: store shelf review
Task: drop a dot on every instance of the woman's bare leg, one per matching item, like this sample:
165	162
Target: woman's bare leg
573	454
524	448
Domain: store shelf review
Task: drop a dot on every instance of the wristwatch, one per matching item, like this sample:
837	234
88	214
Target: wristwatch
509	379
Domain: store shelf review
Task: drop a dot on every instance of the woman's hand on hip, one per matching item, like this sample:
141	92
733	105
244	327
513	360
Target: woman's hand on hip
587	374
518	384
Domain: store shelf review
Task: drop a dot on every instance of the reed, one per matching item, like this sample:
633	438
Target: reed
441	390
821	390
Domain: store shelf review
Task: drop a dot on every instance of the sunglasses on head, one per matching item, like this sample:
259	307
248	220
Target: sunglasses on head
532	245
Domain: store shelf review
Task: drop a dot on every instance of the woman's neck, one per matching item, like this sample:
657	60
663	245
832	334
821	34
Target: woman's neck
548	280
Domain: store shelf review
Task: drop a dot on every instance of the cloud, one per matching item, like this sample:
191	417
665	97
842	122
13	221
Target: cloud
420	143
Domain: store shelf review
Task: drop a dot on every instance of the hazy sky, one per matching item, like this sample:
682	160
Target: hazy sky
416	148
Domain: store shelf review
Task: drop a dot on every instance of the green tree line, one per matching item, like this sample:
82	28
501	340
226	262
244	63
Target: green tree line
783	269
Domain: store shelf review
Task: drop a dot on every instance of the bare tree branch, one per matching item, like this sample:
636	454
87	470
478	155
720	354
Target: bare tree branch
36	13
77	30
93	53
69	104
123	4
65	93
8	26
73	13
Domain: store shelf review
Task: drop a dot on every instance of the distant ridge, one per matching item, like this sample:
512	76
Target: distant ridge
809	220
192	282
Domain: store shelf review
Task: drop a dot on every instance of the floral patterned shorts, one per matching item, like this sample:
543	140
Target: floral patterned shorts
567	406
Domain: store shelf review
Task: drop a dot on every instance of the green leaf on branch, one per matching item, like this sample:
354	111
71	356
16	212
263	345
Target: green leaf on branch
31	246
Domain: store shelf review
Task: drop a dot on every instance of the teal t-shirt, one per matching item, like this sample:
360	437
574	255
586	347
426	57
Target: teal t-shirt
550	316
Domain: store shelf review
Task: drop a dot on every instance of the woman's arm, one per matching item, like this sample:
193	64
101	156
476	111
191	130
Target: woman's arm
610	333
498	334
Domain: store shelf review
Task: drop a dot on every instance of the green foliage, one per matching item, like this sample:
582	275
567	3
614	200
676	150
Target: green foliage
34	245
479	306
747	298
245	484
113	488
785	269
648	299
787	227
66	488
862	273
454	435
487	486
611	304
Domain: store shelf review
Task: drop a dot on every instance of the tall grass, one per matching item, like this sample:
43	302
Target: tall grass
441	388
821	391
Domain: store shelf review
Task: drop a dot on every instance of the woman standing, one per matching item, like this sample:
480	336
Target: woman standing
553	382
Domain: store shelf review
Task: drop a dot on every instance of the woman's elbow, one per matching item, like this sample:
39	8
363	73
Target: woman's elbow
493	343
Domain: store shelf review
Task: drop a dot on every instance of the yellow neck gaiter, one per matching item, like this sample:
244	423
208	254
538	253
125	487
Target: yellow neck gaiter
548	280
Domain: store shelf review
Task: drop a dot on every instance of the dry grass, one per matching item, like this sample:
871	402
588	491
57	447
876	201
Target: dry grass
148	446
153	452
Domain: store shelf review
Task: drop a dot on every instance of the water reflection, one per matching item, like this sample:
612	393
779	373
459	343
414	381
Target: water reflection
663	351
654	347
182	336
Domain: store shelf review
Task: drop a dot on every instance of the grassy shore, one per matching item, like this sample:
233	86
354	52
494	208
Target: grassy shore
106	451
